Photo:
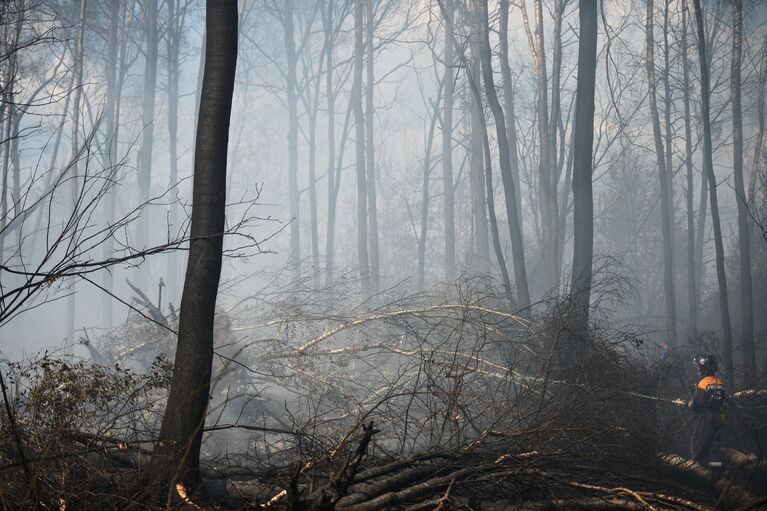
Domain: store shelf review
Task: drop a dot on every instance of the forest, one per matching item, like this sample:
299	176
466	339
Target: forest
360	255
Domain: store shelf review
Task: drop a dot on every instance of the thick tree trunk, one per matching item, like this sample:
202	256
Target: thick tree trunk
375	265
668	282
294	261
359	128
583	204
447	148
515	226
176	455
508	100
708	165
692	295
744	230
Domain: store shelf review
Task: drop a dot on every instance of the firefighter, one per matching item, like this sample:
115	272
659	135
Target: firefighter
708	402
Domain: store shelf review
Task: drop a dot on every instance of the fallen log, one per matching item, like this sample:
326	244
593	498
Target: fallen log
421	489
724	491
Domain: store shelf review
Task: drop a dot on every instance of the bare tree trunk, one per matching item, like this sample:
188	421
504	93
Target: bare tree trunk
294	262
668	182
359	127
110	114
760	132
479	197
176	456
515	227
447	148
74	178
375	266
11	68
313	107
709	168
692	296
744	230
327	25
668	282
495	235
174	31
147	123
583	203
425	197
546	179
508	100
552	255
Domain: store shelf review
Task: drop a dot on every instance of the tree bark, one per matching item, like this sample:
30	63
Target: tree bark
147	124
515	227
375	265
479	199
583	203
709	169
359	128
110	115
546	178
75	170
692	295
744	230
447	149
668	282
552	255
668	182
174	31
425	197
327	25
508	101
294	261
176	456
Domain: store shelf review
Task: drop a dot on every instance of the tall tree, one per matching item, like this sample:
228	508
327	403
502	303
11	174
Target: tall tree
547	181
150	13
328	20
375	265
583	203
744	228
111	124
74	178
692	294
359	128
447	148
508	102
425	196
173	34
668	265
291	85
479	198
176	455
515	224
708	165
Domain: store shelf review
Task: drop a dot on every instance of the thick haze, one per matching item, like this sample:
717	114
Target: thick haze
408	75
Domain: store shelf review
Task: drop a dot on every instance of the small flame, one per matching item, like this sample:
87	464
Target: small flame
181	490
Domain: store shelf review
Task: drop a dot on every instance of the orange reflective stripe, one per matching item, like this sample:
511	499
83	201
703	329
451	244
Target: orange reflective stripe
709	380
